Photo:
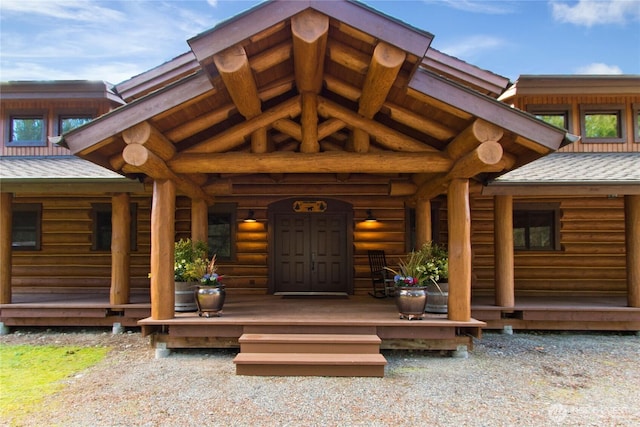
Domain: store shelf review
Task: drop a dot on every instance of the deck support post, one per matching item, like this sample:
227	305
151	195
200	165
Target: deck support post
423	222
632	226
459	216
199	221
120	249
503	251
6	216
163	212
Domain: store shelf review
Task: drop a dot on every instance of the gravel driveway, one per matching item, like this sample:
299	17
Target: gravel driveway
525	379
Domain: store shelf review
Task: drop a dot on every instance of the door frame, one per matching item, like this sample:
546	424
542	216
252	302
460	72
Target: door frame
285	206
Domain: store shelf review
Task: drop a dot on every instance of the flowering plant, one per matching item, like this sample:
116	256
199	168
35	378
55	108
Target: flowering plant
429	264
211	278
190	261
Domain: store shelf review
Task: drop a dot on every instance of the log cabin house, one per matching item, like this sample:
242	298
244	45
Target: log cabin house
309	118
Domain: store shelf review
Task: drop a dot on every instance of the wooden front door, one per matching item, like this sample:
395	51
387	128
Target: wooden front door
311	252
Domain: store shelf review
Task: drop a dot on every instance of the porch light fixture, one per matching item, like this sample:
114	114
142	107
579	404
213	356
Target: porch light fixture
370	217
250	217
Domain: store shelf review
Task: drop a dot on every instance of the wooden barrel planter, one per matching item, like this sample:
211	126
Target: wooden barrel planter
437	298
185	298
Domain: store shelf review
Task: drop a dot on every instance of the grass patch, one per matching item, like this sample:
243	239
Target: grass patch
29	373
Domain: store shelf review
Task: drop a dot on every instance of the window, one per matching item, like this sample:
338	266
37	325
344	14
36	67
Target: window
535	227
25	226
26	130
69	122
221	234
101	238
603	123
556	115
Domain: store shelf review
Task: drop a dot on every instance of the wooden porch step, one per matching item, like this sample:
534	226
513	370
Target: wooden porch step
339	355
310	343
310	364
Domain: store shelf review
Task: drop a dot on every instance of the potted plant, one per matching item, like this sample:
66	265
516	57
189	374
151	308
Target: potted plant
210	292
417	272
189	262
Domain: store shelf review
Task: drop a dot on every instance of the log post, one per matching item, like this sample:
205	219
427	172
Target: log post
6	216
424	233
459	217
162	250
503	251
199	220
120	249
632	228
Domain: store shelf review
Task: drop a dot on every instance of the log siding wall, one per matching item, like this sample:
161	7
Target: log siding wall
66	259
591	260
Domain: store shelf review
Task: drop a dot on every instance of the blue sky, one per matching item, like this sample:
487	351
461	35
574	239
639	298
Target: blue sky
114	40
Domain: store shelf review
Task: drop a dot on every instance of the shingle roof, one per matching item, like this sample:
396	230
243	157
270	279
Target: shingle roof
576	168
55	167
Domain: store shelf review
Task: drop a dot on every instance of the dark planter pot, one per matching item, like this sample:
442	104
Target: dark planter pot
185	300
411	302
210	300
437	298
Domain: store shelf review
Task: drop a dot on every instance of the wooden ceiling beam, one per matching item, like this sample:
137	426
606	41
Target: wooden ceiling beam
383	70
200	123
233	137
310	31
289	127
325	162
329	127
419	122
387	137
233	67
143	160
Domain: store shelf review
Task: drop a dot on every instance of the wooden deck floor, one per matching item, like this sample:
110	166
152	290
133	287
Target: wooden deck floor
355	313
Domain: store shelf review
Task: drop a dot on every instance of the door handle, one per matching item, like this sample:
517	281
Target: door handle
313	261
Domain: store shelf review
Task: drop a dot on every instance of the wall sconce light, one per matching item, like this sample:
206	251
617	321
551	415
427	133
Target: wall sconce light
250	217
370	217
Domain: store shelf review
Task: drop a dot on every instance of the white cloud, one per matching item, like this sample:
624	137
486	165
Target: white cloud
478	6
596	12
213	3
473	46
599	68
74	10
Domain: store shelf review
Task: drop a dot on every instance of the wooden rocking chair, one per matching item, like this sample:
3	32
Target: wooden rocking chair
381	279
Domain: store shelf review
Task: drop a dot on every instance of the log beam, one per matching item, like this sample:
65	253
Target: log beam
424	233
234	136
289	127
632	228
382	72
6	216
310	31
234	69
503	251
326	162
309	123
153	166
387	137
120	249
484	158
151	138
478	132
200	123
199	220
163	209
459	221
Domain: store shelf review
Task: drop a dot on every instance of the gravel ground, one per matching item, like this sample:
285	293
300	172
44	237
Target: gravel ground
525	379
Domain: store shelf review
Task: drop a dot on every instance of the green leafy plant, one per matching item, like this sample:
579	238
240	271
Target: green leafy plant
190	260
429	264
